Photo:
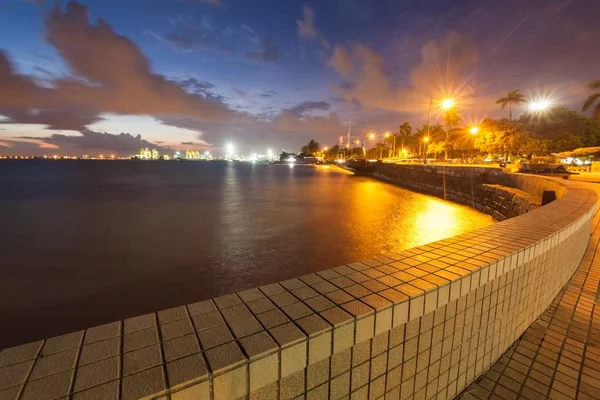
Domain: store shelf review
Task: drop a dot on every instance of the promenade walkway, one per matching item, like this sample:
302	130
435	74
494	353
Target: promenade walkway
558	357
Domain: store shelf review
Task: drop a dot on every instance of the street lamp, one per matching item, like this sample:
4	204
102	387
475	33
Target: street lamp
447	104
473	131
426	140
539	105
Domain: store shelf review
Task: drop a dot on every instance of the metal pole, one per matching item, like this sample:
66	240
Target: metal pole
349	125
428	127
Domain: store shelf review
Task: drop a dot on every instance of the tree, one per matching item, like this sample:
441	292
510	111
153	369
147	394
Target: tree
512	97
405	129
437	136
497	137
380	147
593	98
311	148
332	153
563	129
401	137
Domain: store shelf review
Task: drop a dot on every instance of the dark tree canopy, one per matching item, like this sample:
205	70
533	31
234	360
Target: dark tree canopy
311	148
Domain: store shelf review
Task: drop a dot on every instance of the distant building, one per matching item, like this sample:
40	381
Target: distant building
192	155
145	154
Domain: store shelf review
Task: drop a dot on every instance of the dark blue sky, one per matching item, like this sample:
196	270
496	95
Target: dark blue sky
272	72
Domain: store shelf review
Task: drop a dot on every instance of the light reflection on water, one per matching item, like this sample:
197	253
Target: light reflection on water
92	242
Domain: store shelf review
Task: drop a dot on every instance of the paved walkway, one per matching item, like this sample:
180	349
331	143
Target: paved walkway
558	356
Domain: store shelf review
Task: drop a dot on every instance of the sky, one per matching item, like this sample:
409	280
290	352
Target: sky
106	76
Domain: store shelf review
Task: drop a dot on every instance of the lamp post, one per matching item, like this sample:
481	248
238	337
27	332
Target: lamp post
426	140
473	131
446	105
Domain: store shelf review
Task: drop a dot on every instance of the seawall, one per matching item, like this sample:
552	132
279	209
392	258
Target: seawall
422	323
488	190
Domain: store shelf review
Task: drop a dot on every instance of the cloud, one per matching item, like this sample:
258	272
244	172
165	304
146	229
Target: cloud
306	106
268	93
268	52
341	61
90	141
239	92
283	127
444	70
187	34
15	90
125	85
306	28
202	88
68	118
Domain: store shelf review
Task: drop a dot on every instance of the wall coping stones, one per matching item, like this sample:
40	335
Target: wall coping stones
236	344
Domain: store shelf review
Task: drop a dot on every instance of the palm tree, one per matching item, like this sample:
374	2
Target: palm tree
405	129
512	97
593	98
381	146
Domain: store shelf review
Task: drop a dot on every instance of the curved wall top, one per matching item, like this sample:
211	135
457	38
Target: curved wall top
425	321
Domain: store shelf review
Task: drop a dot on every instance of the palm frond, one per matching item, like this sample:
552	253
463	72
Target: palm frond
590	100
595	84
503	101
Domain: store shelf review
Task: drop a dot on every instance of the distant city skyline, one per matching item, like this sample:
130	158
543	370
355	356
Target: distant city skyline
112	77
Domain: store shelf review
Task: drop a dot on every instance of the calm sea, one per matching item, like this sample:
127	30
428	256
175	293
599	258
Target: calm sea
88	242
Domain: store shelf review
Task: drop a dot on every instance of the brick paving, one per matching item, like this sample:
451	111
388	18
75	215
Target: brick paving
558	356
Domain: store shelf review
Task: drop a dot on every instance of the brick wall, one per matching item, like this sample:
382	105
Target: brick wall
489	190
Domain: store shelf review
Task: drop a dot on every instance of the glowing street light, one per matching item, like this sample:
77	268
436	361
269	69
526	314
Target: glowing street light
372	136
325	148
230	149
426	139
473	131
539	105
447	104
